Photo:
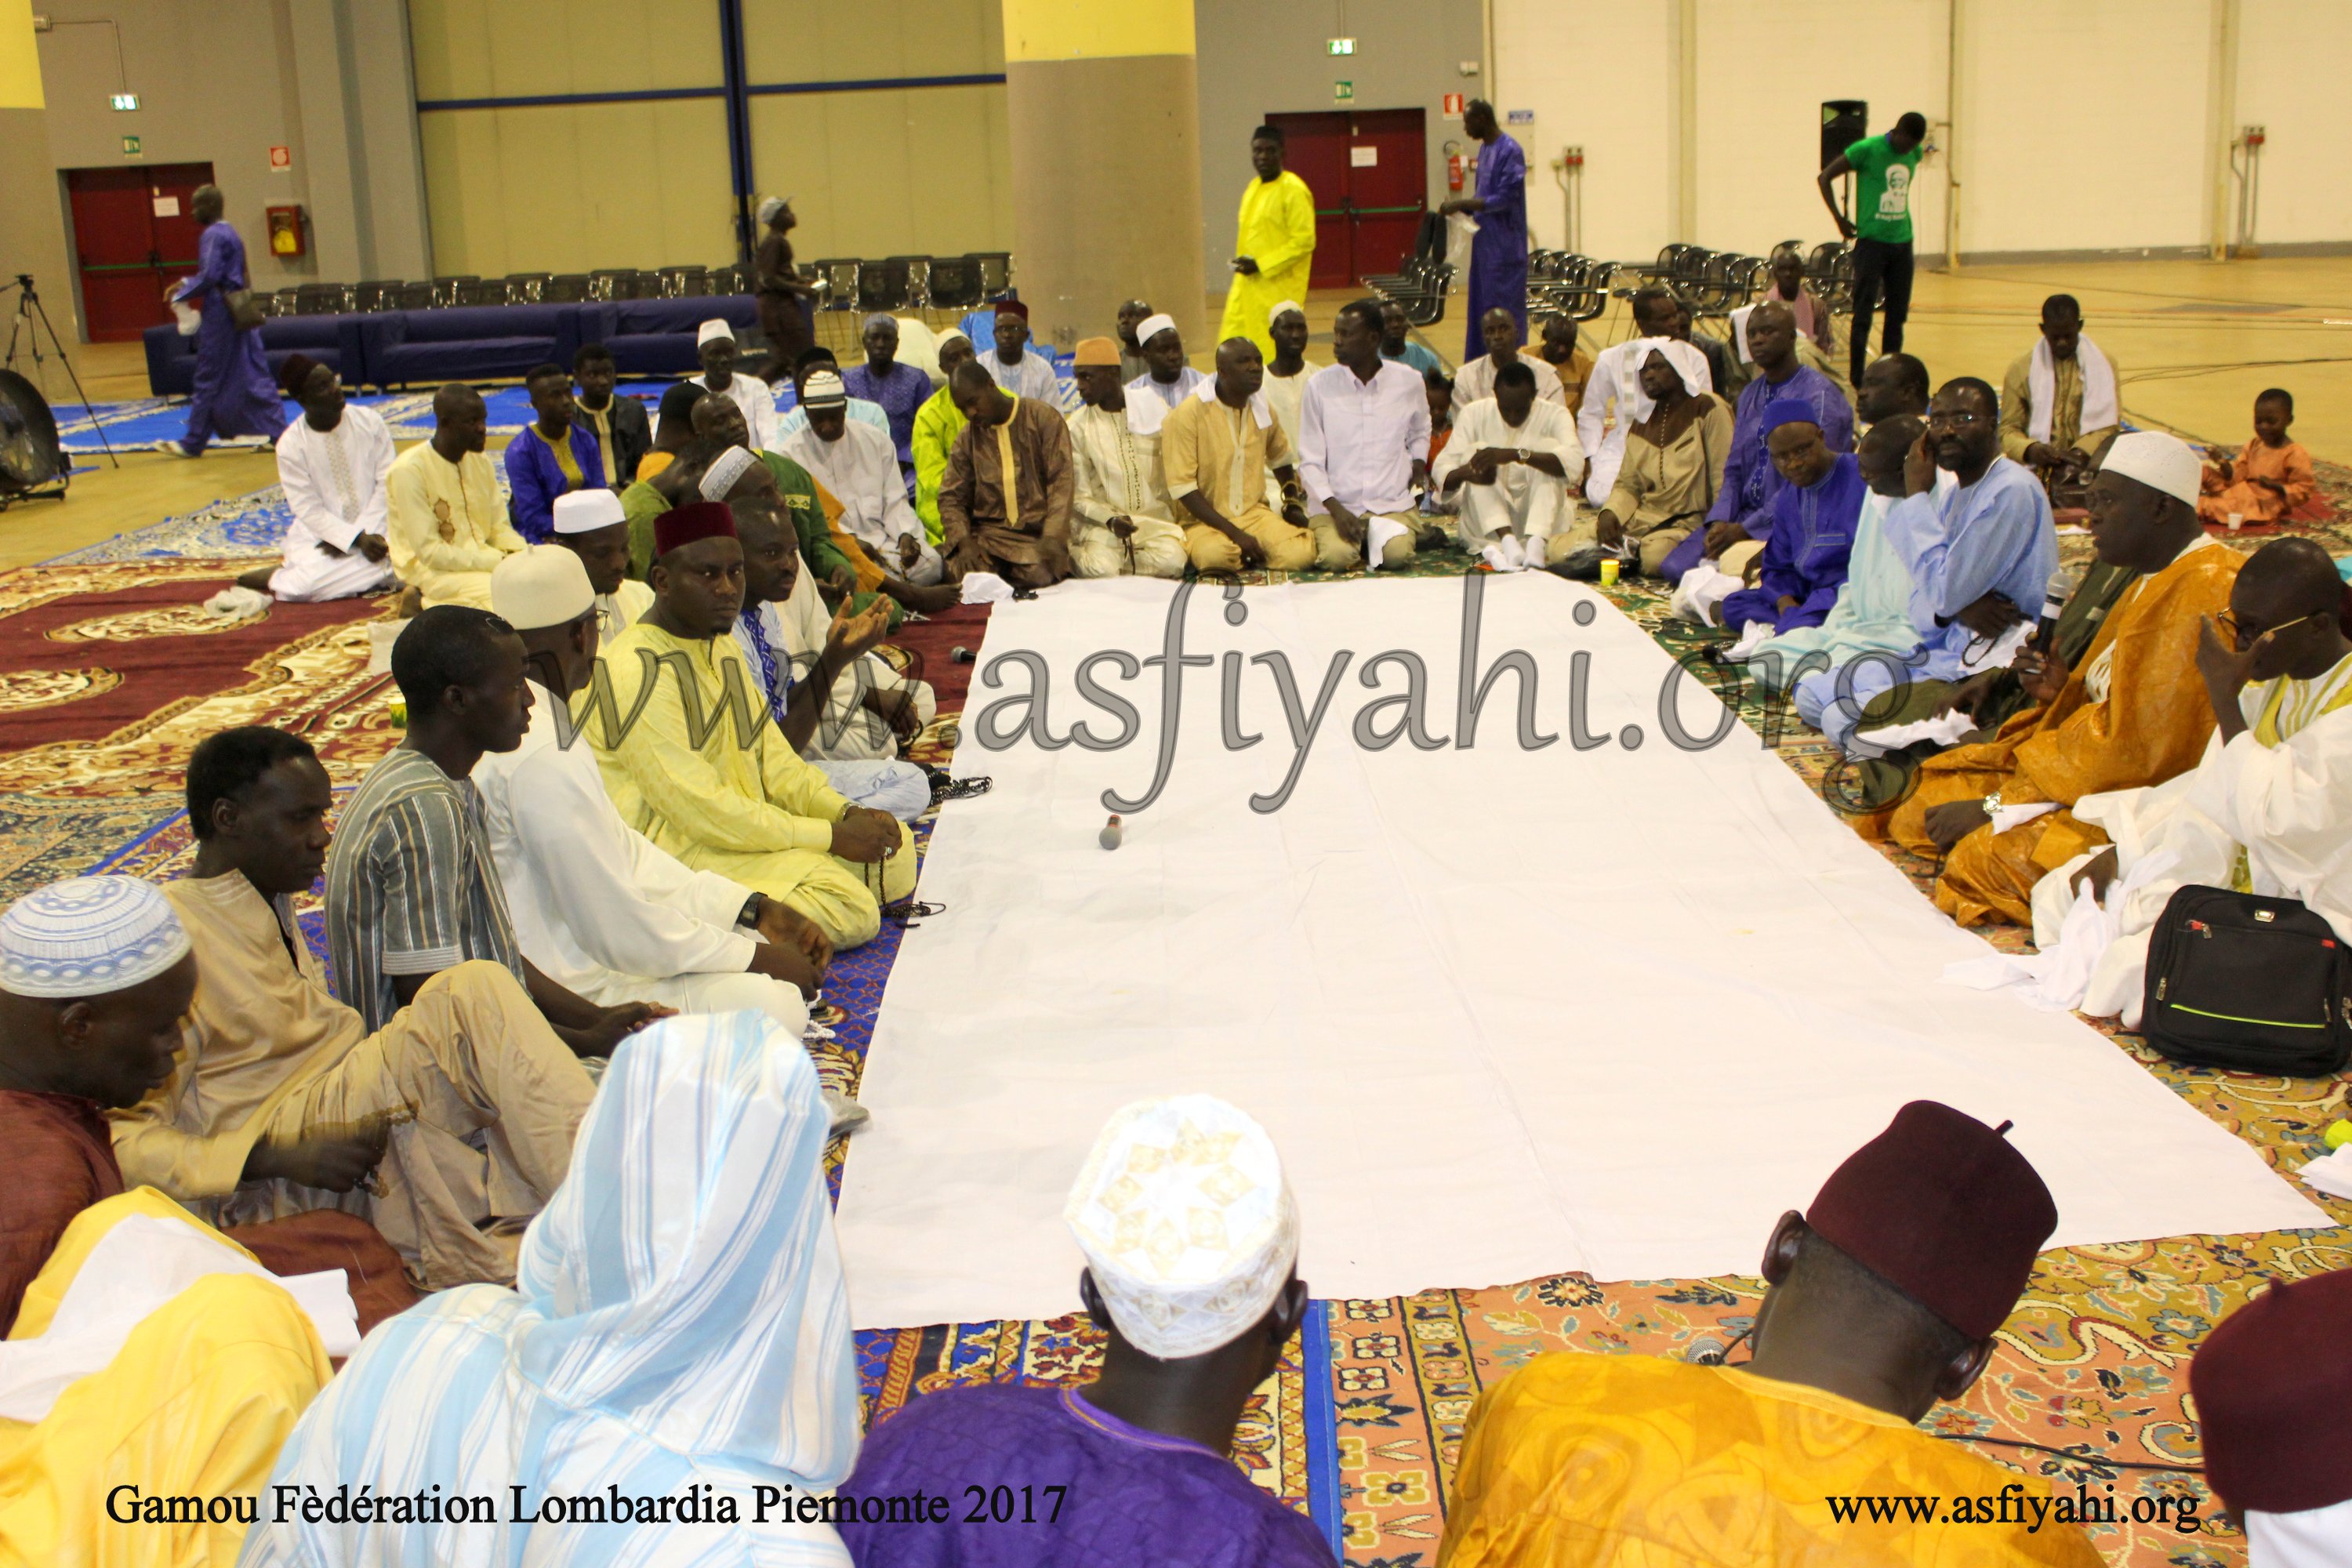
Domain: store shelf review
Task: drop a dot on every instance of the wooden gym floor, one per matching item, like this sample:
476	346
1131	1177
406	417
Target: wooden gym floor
2194	341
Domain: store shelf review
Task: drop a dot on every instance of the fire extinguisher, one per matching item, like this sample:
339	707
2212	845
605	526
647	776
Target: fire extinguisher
1453	171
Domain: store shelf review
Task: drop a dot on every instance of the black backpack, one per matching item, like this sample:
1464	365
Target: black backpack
2253	983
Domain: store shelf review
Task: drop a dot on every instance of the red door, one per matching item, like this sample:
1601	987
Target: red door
133	234
1366	169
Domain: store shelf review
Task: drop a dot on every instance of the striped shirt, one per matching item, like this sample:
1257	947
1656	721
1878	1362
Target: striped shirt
411	885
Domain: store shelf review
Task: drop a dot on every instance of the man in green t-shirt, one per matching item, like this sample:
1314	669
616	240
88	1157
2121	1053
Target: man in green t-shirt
1880	229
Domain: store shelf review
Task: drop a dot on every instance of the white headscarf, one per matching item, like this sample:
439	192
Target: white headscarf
678	1316
2101	407
1688	362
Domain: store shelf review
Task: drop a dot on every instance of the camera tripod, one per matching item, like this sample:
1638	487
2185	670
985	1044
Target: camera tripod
31	320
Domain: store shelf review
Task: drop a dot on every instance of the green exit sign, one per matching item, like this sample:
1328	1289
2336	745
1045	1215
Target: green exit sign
1343	46
131	146
1343	91
124	100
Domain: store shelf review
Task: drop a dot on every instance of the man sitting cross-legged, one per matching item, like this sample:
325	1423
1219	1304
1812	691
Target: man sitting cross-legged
333	463
1476	379
443	520
1871	612
1803	565
936	423
598	907
96	984
624	434
1666	471
701	770
1170	378
715	346
1194	1327
843	707
2058	401
2268	809
1007	499
552	455
1015	364
1122	522
2120	722
1509	468
1364	450
1219	448
857	464
284	1099
1881	1299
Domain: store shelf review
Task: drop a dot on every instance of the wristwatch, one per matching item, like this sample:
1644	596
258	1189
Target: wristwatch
1520	453
751	915
1992	803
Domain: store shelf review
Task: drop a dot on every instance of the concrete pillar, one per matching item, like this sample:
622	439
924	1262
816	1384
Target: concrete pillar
1102	104
32	217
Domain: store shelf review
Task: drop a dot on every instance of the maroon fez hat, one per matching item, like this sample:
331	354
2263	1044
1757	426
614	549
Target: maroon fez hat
1013	305
684	525
294	373
1942	1208
2273	1387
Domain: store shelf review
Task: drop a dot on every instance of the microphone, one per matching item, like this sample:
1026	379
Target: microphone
2052	603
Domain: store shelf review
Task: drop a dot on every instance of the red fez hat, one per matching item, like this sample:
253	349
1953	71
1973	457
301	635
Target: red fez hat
1013	307
2273	1387
684	525
294	373
1942	1208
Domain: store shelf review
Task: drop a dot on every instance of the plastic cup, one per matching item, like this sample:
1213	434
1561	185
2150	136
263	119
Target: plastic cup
2237	521
1608	574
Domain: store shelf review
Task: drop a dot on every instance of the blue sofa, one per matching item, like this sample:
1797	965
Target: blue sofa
333	341
467	343
656	337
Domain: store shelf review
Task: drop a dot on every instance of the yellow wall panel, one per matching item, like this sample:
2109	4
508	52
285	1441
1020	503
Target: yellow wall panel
795	40
20	58
905	172
1047	31
513	48
571	189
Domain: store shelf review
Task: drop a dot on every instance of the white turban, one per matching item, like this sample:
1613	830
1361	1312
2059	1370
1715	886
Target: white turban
1187	1225
87	936
771	208
1151	327
714	328
1276	313
1688	362
545	585
725	469
2163	463
585	512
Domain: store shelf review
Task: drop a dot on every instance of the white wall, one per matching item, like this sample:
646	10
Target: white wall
2082	123
2293	81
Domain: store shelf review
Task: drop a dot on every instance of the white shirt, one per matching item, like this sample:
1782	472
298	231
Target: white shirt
1282	394
1549	430
1187	381
1476	379
334	479
757	399
1118	472
1033	377
589	894
1358	441
862	471
622	608
1608	379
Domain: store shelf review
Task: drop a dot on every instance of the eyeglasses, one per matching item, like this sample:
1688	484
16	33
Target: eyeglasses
1960	417
2241	639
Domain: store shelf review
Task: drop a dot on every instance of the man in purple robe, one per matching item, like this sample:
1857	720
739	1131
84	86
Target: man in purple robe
1131	1467
235	395
1498	252
1813	518
1743	503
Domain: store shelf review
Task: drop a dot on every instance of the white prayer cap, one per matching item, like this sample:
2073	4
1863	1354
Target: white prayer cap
1152	326
1187	1225
725	469
583	511
822	389
716	327
2163	463
1277	313
545	585
87	936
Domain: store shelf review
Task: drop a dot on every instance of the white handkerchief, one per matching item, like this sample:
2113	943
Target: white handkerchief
1377	531
1700	592
2332	1174
985	588
2009	816
1943	729
1751	640
2003	651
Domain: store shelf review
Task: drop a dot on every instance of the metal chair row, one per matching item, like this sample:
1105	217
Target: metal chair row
910	282
1714	283
514	288
1422	286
